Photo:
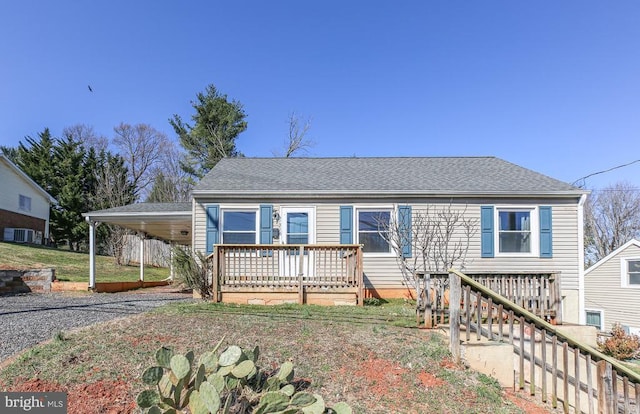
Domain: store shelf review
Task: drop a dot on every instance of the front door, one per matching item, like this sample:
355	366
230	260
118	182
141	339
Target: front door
297	228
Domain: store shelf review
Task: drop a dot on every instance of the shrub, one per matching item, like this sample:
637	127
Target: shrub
191	270
620	345
229	382
372	301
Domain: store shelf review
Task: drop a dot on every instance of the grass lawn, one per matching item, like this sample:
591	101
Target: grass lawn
72	266
371	357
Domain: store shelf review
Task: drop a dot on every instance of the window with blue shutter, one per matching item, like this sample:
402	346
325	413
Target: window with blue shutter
546	236
346	224
486	230
404	222
213	227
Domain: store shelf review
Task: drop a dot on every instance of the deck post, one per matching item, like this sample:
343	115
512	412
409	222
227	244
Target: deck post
454	315
605	387
360	275
215	276
301	275
557	297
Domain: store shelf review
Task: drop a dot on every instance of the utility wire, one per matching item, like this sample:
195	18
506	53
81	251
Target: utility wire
602	172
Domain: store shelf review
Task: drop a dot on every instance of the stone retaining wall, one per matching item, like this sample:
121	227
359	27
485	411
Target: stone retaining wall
24	281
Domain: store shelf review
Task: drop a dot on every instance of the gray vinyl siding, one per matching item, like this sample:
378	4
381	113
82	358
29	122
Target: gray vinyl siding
328	223
565	247
603	291
383	272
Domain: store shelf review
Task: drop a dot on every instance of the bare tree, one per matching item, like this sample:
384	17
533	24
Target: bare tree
113	189
612	218
87	136
143	149
170	182
439	237
297	140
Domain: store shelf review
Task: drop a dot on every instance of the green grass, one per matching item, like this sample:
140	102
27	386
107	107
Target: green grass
72	266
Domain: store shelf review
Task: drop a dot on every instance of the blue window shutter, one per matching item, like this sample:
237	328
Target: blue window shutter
213	227
404	221
266	224
486	229
346	224
546	245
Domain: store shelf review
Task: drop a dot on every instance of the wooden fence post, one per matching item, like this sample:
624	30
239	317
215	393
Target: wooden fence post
605	388
454	316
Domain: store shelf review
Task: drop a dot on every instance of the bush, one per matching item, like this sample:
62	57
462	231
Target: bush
620	345
191	270
229	382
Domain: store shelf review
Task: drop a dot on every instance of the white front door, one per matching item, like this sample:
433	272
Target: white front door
297	227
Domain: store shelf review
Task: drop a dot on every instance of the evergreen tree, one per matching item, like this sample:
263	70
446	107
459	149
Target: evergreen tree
36	159
70	182
216	125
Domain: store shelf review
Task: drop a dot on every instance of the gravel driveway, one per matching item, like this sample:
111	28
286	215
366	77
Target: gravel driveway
28	319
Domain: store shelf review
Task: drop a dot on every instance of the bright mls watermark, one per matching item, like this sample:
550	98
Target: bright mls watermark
33	402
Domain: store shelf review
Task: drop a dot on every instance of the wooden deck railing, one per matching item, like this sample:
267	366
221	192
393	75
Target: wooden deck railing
287	265
555	366
539	293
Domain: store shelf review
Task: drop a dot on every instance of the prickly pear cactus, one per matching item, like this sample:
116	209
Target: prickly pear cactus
229	382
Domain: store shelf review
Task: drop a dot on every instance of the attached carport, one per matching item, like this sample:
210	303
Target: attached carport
171	222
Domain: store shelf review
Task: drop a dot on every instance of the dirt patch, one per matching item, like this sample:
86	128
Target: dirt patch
112	397
429	380
526	403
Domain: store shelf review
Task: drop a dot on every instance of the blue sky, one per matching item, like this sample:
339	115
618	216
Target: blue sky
552	86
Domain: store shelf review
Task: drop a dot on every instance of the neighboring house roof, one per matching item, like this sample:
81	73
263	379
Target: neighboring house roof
167	221
418	176
632	242
28	179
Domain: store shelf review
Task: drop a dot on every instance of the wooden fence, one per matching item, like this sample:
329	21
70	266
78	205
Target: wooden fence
156	252
550	364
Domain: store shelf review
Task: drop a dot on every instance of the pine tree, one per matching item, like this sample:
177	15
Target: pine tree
217	124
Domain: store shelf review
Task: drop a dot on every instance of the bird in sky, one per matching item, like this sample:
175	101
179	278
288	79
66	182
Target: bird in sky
89	86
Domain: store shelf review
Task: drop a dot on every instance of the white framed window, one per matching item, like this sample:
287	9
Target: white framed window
24	203
517	231
372	228
630	272
594	317
239	226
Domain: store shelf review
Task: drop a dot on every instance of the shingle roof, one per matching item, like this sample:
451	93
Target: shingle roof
375	176
147	208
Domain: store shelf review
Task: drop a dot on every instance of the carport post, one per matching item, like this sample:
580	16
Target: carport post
142	236
171	270
92	254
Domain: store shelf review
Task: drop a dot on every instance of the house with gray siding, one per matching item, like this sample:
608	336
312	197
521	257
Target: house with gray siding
527	222
612	289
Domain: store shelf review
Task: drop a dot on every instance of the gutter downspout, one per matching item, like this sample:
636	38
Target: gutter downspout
581	316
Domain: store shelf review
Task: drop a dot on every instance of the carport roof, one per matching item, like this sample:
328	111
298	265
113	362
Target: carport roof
166	221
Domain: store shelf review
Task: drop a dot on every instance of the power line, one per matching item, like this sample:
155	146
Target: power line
602	172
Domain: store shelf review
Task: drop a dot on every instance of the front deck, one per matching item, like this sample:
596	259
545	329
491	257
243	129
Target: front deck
292	273
269	274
